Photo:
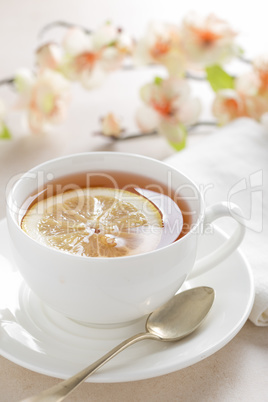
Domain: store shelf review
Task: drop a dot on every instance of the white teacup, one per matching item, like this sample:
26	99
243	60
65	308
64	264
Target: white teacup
112	291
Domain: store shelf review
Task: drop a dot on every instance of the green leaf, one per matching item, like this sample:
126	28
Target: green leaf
158	80
178	146
5	133
240	51
182	137
176	134
218	78
113	43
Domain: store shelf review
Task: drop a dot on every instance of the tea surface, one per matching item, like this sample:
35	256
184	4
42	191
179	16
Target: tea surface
107	214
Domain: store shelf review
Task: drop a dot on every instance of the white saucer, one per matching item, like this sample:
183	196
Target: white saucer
35	337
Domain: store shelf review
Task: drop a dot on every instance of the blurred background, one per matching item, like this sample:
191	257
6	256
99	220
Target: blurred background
22	20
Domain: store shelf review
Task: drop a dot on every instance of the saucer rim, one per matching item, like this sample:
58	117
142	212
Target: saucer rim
106	378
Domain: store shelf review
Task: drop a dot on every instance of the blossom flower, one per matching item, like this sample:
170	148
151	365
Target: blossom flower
171	109
207	40
4	131
228	105
249	97
111	126
260	67
168	107
162	45
44	98
256	96
85	57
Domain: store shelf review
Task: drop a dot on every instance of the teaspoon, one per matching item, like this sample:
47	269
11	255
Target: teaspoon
176	319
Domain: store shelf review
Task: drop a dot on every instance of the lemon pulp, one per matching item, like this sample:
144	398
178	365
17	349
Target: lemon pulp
95	222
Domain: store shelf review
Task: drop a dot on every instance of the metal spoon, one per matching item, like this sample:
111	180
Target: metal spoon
179	317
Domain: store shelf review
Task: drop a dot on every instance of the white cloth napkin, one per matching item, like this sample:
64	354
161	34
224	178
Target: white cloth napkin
231	164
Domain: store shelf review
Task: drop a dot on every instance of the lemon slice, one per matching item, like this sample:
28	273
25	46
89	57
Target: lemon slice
95	222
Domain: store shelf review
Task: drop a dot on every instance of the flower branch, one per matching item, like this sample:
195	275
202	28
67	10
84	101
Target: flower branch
7	81
244	59
123	136
63	24
196	49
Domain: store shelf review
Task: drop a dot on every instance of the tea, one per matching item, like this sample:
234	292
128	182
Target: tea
147	214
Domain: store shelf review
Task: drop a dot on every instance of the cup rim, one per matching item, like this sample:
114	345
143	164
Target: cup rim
105	153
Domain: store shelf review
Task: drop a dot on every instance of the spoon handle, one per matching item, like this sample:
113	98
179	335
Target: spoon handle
59	391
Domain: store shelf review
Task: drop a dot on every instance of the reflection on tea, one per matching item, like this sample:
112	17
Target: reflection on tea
106	214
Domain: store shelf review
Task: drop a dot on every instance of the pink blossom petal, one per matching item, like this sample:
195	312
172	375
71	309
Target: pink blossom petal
175	89
49	56
125	43
147	119
141	56
248	84
256	106
92	78
36	122
111	125
104	36
111	59
24	80
260	63
175	63
148	92
76	41
189	111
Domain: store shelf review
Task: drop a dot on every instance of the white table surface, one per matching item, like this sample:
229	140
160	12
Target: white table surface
239	371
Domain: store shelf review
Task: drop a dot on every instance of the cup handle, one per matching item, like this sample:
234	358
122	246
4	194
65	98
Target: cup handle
216	211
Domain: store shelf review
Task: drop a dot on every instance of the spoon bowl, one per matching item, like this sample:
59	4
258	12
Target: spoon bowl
182	314
176	319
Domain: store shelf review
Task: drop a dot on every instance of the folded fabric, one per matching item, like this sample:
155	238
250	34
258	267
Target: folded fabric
231	164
